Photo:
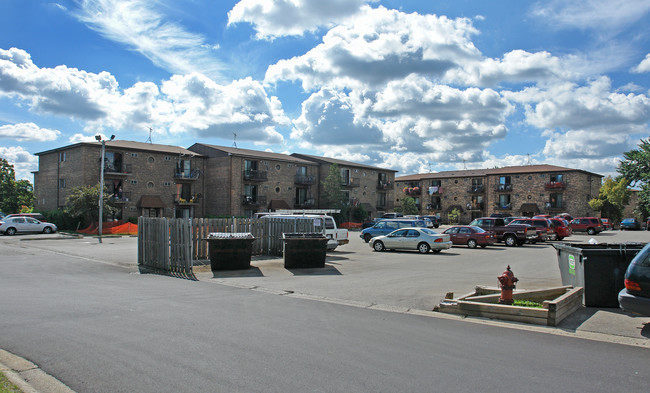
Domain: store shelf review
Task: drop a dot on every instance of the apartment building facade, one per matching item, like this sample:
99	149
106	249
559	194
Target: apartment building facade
368	186
518	191
142	179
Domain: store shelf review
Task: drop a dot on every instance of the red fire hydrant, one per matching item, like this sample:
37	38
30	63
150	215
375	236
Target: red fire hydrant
507	282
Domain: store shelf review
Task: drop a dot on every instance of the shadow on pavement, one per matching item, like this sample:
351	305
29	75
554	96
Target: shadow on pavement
252	272
316	271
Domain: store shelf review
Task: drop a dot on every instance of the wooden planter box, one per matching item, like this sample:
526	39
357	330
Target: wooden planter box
559	303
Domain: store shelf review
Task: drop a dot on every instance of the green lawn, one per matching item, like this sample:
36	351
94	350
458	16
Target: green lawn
6	386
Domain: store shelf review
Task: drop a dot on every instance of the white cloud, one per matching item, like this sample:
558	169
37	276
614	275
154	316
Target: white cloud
377	46
276	18
27	132
137	25
644	66
24	163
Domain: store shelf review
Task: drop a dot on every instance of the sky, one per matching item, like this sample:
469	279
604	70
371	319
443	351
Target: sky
416	86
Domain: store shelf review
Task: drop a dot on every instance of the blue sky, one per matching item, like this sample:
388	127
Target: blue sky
414	86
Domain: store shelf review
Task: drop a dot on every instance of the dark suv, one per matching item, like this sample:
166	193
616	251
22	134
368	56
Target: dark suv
635	297
591	225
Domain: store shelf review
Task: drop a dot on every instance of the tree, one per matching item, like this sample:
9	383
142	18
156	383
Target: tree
333	196
613	196
453	216
635	167
83	202
409	206
14	194
360	214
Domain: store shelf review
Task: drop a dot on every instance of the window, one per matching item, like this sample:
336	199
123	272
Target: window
113	162
167	184
62	156
504	201
345	176
558	178
504	180
134	155
168	158
150	184
134	182
151	160
555	201
61	183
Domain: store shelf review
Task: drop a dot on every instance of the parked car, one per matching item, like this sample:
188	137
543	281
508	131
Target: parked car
421	239
591	225
543	216
630	224
607	224
392	215
435	220
37	216
471	236
384	227
12	225
508	220
561	228
543	228
635	297
511	235
565	216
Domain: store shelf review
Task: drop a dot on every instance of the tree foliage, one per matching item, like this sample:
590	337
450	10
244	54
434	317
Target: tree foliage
333	196
409	207
635	167
83	202
453	216
15	195
613	196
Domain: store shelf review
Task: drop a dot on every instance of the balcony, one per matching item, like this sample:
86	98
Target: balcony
120	171
252	200
555	186
351	182
503	188
476	189
434	206
187	175
305	180
385	185
383	205
503	206
191	200
555	206
120	197
255	175
435	190
306	204
475	206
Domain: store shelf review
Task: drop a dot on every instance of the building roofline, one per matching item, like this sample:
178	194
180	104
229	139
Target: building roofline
128	145
510	170
257	154
328	160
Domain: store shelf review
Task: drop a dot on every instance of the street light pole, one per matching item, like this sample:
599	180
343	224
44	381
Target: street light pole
101	185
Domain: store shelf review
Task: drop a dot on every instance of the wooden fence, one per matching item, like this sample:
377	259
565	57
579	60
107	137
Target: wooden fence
172	246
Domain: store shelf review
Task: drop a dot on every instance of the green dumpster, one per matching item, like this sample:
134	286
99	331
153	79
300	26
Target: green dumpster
230	251
598	268
304	250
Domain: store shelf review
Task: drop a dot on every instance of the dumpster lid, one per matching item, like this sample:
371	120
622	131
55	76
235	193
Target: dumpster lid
306	235
230	235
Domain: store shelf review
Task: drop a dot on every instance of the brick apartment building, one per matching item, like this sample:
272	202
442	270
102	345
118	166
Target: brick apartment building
142	178
368	186
204	180
517	190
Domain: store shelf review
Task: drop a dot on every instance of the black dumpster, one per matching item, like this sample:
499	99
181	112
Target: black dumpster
230	251
304	250
598	268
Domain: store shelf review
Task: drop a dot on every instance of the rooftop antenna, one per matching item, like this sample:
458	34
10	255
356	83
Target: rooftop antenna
429	167
464	166
234	143
528	162
150	132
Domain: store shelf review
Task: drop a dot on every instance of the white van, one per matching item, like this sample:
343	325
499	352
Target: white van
336	236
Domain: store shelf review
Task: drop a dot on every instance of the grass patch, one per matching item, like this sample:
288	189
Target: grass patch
6	386
527	303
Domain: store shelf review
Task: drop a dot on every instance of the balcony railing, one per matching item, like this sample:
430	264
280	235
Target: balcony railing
382	205
475	206
385	185
117	170
555	185
412	190
476	189
503	206
188	200
306	204
250	200
187	175
434	206
121	197
434	190
255	175
306	180
503	188
551	206
351	182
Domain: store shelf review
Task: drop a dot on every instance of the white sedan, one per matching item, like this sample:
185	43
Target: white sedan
421	239
12	225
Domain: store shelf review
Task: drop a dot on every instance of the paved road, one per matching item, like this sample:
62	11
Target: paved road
100	327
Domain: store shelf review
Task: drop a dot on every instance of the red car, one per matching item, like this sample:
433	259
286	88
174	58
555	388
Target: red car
607	225
542	225
471	236
561	228
591	225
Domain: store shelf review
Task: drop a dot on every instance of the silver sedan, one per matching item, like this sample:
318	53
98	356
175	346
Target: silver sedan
421	239
13	225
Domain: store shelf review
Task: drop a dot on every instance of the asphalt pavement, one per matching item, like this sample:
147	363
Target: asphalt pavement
400	282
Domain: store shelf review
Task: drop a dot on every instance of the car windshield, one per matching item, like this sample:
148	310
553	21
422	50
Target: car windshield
628	220
478	230
429	231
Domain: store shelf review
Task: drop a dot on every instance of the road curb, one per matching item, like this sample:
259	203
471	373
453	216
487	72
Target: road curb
28	377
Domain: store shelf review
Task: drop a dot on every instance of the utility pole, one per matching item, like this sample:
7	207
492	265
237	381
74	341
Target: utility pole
101	185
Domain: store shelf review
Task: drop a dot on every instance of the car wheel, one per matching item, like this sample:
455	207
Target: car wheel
367	237
510	241
471	243
559	238
10	231
436	226
591	231
47	230
423	248
378	246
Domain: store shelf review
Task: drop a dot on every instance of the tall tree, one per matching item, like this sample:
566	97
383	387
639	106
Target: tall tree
613	196
635	167
408	206
14	194
333	195
83	202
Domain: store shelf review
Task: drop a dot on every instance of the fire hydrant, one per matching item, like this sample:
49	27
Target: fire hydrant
507	282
